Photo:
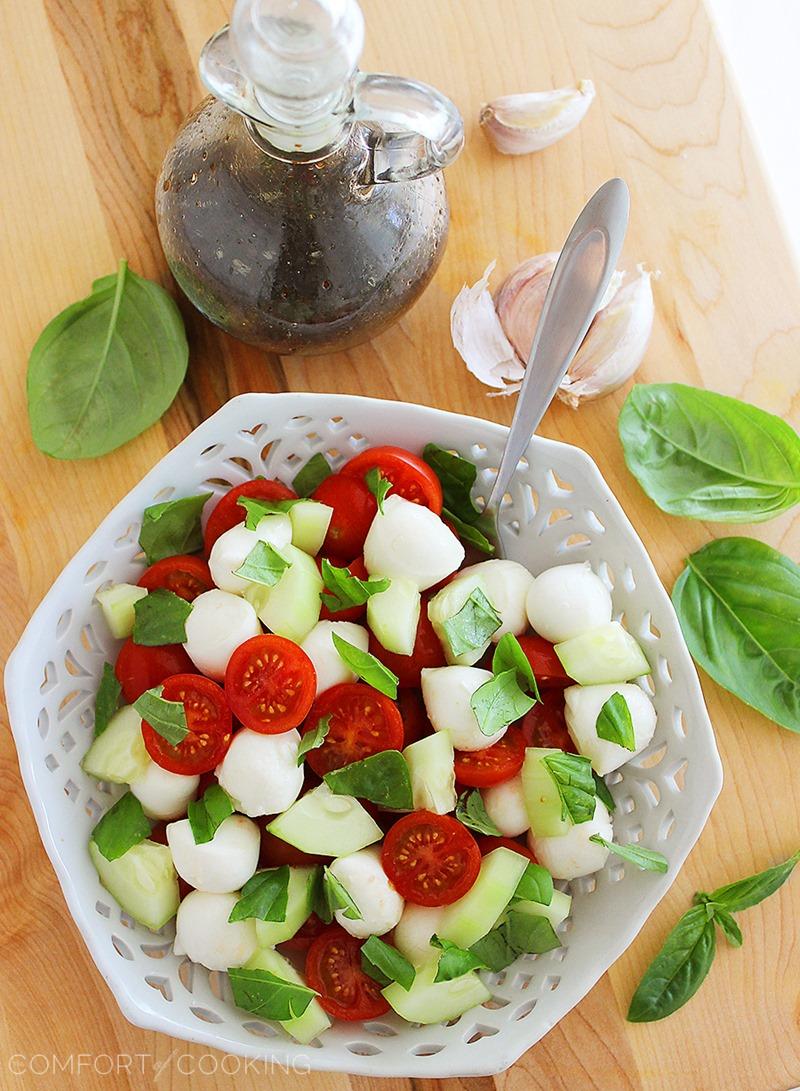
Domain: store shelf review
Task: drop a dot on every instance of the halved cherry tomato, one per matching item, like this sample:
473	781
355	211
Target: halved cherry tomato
140	667
494	764
544	662
430	858
427	652
228	512
185	576
210	726
333	969
354	508
352	613
544	724
416	724
411	478
487	843
305	935
270	684
362	722
275	852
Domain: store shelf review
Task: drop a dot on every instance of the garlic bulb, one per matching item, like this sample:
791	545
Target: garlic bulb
479	337
518	124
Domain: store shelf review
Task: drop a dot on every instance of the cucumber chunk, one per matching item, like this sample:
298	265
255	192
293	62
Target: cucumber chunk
606	654
291	608
118	755
557	911
306	1027
310	521
542	799
117	602
444	605
143	881
433	777
298	909
326	824
471	917
393	615
428	1001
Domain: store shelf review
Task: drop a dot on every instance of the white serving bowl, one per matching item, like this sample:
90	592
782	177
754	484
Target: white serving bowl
560	510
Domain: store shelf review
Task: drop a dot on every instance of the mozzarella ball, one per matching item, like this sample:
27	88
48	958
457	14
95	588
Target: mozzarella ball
364	879
218	624
506	585
446	692
566	601
412	934
409	540
232	548
204	933
260	772
582	707
319	647
163	794
573	854
505	805
220	865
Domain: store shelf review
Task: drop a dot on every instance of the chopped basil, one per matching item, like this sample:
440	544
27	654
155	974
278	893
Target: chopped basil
106	701
343	590
267	995
508	655
505	697
257	509
206	815
572	774
454	961
319	895
382	778
457	476
475	534
167	718
614	723
471	812
384	963
338	897
535	885
264	896
313	739
160	618
603	793
494	949
366	666
263	564
472	625
312	475
646	859
172	527
378	484
121	827
530	934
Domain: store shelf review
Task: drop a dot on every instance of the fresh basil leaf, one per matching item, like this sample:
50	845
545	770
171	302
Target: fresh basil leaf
263	564
160	618
603	793
475	534
706	456
471	812
121	827
745	893
267	995
106	701
378	484
494	949
454	961
313	739
385	964
457	476
206	815
730	929
614	722
499	702
257	509
366	666
535	885
319	896
678	970
338	897
312	475
382	778
508	655
264	896
472	625
106	368
343	590
168	718
172	527
529	934
572	774
645	859
738	603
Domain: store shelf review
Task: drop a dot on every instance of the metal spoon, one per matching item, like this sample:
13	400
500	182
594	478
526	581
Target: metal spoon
579	282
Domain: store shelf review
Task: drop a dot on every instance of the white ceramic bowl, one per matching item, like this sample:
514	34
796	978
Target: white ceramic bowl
560	510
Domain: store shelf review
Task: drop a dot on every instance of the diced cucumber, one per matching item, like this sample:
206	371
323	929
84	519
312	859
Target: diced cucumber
428	1001
117	602
542	799
118	755
310	521
143	881
446	604
471	917
606	654
306	1027
290	608
393	615
556	912
433	778
326	824
298	909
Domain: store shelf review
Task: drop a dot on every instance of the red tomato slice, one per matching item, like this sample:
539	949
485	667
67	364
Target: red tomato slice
228	512
209	721
487	843
352	613
544	724
430	858
354	508
305	935
270	684
275	852
139	667
411	478
494	764
363	722
333	969
185	576
427	652
416	724
544	662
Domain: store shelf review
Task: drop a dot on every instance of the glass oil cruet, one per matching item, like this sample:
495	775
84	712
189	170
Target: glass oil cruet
302	208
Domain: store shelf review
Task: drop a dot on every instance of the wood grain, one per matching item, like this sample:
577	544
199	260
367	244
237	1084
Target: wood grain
93	92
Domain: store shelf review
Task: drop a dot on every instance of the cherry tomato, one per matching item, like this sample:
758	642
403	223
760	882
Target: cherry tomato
411	478
275	852
416	724
270	684
430	858
210	726
228	512
427	652
185	576
487	843
544	662
352	613
139	667
354	508
362	722
305	935
494	764
333	969
544	724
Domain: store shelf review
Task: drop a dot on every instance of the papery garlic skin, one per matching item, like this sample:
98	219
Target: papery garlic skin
528	122
479	338
520	298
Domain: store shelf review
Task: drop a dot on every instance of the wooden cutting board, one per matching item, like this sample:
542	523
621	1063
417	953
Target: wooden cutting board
93	91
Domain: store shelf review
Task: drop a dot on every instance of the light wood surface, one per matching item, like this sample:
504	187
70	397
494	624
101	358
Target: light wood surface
92	93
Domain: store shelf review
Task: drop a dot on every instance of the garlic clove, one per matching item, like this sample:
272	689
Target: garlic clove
479	338
519	124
